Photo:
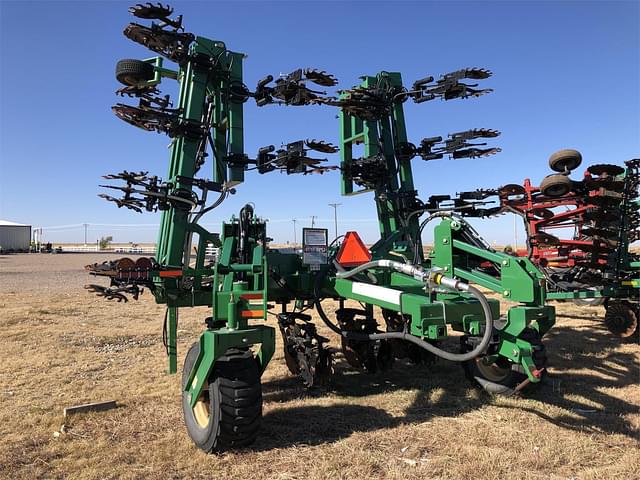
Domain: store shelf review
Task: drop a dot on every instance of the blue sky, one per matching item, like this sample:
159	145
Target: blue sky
566	75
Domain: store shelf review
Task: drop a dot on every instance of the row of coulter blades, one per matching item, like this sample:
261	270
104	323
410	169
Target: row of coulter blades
143	192
155	112
140	191
167	37
458	145
156	115
368	172
294	158
367	103
126	276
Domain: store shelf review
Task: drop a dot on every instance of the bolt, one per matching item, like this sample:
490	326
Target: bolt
515	352
446	269
506	293
445	240
244	340
505	262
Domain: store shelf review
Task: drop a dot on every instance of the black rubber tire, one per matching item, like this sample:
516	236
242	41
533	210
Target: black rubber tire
132	72
565	160
234	399
590	302
510	379
555	185
621	319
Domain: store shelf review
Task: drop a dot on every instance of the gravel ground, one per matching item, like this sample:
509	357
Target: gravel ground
48	272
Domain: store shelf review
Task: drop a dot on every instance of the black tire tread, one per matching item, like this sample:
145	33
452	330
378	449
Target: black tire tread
554	181
235	383
234	410
131	72
239	392
238	380
560	159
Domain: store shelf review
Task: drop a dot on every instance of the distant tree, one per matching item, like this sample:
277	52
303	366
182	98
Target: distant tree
104	242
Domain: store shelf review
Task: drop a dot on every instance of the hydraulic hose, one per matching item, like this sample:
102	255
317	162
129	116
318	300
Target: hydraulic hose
398	266
426	275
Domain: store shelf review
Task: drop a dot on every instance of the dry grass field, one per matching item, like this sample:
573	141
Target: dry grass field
62	346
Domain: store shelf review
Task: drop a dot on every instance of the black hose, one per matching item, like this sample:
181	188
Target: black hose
318	302
246	214
454	357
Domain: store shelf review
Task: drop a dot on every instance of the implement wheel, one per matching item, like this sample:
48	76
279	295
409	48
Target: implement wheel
503	376
134	72
590	302
622	320
228	412
565	160
555	185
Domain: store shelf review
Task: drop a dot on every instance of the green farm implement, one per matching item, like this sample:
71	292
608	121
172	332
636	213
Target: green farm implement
410	301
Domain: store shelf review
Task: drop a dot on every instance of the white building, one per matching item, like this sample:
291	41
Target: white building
14	236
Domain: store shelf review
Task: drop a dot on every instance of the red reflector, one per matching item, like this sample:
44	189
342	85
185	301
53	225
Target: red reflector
353	251
251	313
251	296
171	273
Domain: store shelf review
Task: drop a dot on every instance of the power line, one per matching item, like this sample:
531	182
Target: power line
89	226
82	225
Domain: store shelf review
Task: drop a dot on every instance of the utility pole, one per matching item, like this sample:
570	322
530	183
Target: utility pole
313	220
294	232
335	216
85	233
37	238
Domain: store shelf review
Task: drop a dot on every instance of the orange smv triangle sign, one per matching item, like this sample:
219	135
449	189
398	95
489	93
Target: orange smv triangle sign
352	251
